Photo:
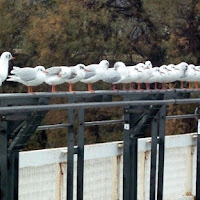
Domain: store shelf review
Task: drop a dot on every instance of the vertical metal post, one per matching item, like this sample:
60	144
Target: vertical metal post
3	157
162	121
197	111
133	167
70	154
126	155
3	161
154	142
13	174
80	162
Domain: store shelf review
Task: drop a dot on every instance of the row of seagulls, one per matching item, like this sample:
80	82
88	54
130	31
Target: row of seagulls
118	74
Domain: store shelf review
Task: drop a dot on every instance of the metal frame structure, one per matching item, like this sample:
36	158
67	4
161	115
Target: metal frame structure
21	116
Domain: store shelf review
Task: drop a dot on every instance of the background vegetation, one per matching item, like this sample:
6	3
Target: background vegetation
67	32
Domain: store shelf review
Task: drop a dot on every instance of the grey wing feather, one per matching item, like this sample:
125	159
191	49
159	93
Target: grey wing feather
89	75
112	79
26	74
53	70
73	75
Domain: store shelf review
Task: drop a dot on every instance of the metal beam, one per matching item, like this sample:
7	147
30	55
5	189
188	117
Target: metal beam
18	109
80	161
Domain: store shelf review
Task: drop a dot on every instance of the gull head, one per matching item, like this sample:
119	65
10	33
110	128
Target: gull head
118	65
6	56
41	69
80	67
104	64
148	64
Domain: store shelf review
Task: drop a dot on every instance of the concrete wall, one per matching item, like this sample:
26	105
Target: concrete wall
42	173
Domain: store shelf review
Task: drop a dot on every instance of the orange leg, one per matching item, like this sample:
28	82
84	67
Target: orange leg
124	86
131	86
114	87
197	85
90	88
163	86
53	88
147	86
155	86
139	86
190	85
182	87
70	88
30	89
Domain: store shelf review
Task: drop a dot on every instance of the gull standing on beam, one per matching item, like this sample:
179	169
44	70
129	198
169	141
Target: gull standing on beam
113	77
54	78
94	73
4	65
78	73
121	68
28	76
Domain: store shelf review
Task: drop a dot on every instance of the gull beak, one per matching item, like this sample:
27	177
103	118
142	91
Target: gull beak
13	58
169	70
196	70
87	70
176	68
59	75
162	72
46	72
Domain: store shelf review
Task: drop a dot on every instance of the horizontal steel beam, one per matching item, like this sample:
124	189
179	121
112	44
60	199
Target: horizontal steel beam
188	116
86	93
54	126
17	109
104	122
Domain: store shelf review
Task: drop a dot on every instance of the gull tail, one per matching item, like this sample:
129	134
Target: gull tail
15	69
13	78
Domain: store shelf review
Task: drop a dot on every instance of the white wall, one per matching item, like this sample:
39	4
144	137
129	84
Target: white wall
42	173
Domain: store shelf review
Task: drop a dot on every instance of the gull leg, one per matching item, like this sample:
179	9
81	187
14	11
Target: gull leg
53	88
155	86
131	86
70	88
29	91
139	86
90	88
124	86
114	87
196	84
147	86
190	85
163	86
182	87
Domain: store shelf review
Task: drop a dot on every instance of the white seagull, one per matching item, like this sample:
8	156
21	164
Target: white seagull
94	73
28	76
4	65
78	73
54	78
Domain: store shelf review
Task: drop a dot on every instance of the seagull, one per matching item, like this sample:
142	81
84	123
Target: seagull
136	74
54	78
4	65
28	76
155	77
180	71
196	78
78	73
121	68
190	74
94	73
165	72
112	76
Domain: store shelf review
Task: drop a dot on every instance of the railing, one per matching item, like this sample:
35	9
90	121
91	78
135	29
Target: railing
42	173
